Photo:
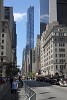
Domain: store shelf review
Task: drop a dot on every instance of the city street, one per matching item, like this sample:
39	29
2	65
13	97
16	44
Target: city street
45	91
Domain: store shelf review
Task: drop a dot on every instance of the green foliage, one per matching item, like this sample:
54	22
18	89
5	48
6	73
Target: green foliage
31	74
11	70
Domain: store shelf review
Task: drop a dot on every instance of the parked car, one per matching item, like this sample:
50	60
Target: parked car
63	82
54	81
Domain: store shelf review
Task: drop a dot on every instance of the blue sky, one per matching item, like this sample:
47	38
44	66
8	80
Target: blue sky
20	16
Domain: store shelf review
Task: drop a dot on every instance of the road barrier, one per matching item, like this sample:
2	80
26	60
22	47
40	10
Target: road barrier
31	95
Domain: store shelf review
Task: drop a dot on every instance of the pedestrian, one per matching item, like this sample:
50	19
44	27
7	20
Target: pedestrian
11	80
14	86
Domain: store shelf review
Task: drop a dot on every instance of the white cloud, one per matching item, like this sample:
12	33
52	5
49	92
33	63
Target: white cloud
44	17
19	16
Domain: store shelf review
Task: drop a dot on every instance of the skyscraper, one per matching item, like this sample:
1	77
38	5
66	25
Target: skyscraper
44	11
30	28
52	11
57	11
61	12
44	15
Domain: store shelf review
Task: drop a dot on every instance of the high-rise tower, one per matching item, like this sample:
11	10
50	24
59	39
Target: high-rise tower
30	28
57	11
61	12
44	15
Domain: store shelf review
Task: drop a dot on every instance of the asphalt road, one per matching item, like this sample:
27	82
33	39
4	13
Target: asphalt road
45	91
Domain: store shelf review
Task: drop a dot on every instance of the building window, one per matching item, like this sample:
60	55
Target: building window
55	39
47	54
2	29
55	44
51	67
61	44
61	39
55	49
55	55
49	57
2	35
56	60
2	53
2	47
59	55
55	34
64	67
56	67
3	23
61	50
2	41
1	59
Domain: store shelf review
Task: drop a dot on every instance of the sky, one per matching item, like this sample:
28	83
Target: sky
20	16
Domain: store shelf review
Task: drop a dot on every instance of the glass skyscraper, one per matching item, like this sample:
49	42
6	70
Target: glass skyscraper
30	28
44	15
61	12
44	11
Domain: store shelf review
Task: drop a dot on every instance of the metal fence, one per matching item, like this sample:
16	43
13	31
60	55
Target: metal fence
3	88
31	95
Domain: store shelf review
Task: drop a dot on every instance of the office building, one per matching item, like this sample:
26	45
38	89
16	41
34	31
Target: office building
8	15
6	32
30	29
54	50
37	53
61	12
57	11
44	15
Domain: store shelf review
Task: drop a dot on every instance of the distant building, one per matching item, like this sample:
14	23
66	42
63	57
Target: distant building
44	15
6	33
33	61
30	29
23	62
8	15
57	12
37	53
61	12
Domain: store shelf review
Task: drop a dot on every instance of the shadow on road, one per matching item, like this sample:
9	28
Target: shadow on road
35	84
50	98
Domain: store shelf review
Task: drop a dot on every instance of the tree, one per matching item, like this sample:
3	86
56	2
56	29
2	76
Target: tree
11	70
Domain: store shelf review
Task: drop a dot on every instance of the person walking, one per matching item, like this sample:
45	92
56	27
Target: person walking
14	86
11	80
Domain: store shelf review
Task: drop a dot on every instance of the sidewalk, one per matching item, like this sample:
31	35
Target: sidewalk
20	95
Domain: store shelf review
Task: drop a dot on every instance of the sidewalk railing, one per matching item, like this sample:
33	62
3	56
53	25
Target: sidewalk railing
31	95
3	88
